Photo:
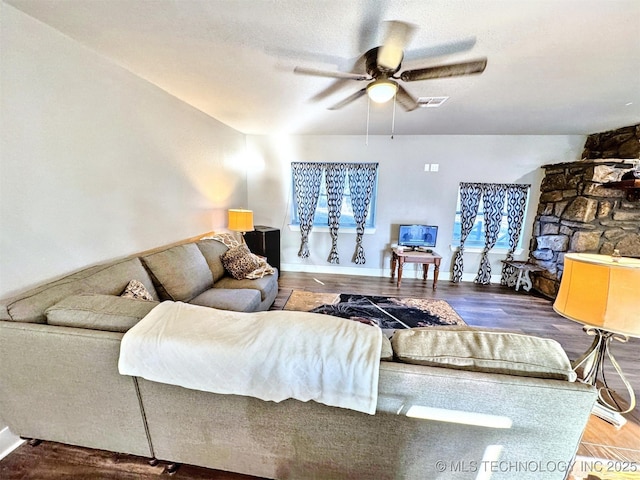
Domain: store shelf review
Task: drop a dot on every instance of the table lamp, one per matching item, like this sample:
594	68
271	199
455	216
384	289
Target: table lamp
603	293
240	220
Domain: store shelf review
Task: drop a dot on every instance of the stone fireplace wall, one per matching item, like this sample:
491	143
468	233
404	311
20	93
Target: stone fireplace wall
621	143
577	214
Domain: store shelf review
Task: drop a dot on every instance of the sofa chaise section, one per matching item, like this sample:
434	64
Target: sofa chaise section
292	439
109	279
60	342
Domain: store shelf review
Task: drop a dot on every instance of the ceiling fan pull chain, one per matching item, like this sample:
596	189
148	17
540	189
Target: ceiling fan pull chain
366	142
393	118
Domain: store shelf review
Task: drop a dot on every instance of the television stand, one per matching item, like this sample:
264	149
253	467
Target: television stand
399	258
408	248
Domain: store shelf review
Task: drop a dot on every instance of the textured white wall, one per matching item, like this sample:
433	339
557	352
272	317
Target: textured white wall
406	193
97	163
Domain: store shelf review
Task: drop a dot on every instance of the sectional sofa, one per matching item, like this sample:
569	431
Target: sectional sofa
437	417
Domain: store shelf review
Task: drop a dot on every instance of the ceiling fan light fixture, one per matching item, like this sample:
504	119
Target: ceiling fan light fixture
382	90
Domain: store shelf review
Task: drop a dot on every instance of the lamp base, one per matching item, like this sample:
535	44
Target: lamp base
592	362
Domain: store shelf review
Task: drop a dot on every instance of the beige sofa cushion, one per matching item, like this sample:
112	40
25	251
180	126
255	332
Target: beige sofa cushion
234	299
181	273
267	286
99	312
483	350
212	250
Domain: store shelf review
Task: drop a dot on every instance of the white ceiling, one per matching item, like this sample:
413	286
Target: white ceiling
554	66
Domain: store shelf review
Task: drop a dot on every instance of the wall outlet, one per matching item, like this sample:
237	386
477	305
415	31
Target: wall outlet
426	167
434	167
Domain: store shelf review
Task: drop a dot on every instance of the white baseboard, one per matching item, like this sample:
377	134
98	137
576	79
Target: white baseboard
379	272
334	269
8	442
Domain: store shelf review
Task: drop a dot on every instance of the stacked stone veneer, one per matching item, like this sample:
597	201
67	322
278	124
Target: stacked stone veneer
620	143
577	214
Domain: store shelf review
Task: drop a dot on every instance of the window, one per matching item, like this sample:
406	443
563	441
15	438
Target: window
321	218
476	237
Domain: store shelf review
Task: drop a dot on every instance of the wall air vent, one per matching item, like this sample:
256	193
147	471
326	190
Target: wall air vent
431	101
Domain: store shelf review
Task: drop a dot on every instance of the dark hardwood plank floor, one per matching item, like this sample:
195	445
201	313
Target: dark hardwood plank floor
491	306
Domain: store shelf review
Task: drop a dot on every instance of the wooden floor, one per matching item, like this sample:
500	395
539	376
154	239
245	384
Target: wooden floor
491	306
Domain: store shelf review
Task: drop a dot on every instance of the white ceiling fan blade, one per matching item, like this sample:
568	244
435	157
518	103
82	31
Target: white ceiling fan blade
372	12
440	50
443	71
392	50
406	100
351	98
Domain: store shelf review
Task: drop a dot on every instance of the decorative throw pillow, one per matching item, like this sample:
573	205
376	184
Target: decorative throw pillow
386	352
228	239
136	289
239	261
263	268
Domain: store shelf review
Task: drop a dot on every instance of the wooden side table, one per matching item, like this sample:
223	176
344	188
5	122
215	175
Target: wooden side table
400	258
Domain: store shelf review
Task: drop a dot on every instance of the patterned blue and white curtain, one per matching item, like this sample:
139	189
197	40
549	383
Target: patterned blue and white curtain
362	178
335	175
493	195
516	203
469	200
306	181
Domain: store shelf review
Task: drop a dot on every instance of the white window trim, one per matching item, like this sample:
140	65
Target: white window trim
317	228
501	251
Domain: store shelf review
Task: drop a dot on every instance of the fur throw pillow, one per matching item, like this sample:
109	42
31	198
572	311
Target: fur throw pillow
239	261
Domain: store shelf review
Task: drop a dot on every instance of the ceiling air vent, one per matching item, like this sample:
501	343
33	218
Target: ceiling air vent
431	101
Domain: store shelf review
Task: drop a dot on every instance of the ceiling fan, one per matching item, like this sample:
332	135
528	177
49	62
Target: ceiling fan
382	65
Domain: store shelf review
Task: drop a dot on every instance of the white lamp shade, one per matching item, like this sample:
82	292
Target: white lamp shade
240	220
599	292
382	90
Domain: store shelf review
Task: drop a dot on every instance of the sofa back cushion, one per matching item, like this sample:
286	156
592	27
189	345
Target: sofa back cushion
99	312
107	279
212	251
483	350
180	273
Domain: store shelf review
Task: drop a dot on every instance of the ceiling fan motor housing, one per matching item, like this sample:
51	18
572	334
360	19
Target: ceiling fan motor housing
375	70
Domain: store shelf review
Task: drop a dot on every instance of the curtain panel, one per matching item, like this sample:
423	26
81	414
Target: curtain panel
362	181
470	194
493	196
306	182
307	178
335	176
516	204
492	203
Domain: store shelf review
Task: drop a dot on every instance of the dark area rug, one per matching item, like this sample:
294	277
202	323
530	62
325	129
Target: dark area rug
389	313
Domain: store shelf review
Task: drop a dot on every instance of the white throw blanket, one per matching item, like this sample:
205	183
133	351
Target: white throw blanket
271	355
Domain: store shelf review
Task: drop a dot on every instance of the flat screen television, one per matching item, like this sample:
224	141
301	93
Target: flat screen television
418	236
